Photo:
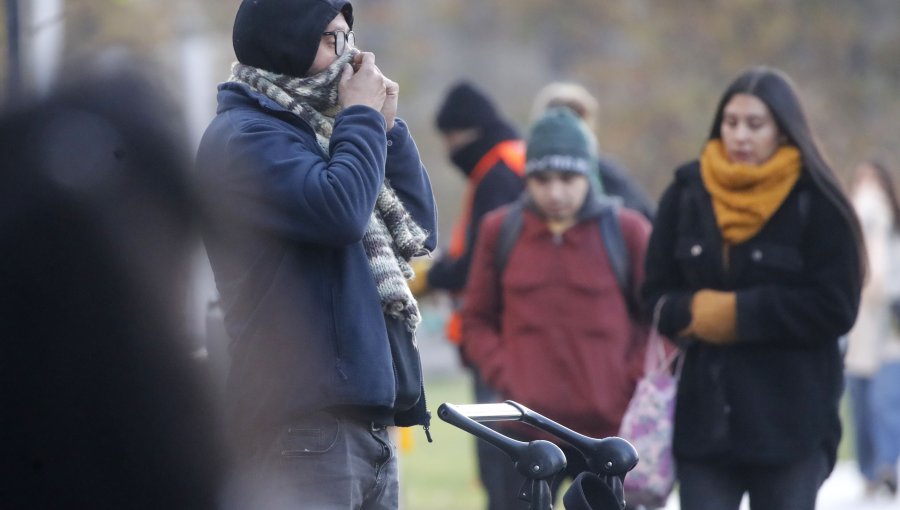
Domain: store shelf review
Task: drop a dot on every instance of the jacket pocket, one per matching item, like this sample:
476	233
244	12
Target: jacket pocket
773	263
775	256
309	437
520	279
694	256
407	364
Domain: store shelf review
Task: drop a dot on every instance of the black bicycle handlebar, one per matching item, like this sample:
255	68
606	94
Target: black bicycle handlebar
608	459
611	456
535	460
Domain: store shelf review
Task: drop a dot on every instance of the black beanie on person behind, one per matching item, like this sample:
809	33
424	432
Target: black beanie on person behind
464	107
282	36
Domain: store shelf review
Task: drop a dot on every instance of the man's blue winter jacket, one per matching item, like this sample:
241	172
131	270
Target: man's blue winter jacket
284	240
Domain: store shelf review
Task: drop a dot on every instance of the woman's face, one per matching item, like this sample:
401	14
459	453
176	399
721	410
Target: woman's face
749	131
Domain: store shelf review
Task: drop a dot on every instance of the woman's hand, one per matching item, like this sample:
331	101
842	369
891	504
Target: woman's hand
713	317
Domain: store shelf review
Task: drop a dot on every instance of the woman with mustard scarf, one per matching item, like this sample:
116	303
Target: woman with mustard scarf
755	268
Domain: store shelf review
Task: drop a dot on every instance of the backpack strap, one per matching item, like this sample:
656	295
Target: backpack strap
509	233
617	253
614	241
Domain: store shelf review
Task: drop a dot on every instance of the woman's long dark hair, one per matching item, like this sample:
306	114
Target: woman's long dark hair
775	89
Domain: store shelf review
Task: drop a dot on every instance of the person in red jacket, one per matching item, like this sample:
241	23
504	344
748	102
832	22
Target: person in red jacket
551	329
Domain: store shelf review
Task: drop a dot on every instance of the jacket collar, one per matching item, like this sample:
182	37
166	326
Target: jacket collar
235	95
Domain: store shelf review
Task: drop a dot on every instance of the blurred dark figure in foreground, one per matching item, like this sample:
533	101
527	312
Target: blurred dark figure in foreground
101	405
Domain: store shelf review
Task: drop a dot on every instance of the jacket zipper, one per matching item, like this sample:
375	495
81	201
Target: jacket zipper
427	425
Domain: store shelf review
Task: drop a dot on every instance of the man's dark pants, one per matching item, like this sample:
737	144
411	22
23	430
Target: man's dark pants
321	462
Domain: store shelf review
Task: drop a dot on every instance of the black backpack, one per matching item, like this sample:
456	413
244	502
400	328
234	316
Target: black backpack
610	231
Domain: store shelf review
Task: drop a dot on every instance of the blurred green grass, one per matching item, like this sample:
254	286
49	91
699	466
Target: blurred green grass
443	474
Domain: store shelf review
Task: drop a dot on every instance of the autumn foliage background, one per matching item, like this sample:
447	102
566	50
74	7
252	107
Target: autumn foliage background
656	67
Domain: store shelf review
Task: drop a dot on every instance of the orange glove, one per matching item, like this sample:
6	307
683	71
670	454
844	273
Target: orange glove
713	317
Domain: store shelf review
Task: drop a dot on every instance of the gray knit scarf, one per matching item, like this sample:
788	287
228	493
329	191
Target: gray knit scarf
392	238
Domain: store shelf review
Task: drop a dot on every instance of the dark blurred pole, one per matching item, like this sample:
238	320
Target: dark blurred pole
15	58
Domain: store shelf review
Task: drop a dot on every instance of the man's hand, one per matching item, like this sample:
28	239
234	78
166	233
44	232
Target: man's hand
366	86
389	110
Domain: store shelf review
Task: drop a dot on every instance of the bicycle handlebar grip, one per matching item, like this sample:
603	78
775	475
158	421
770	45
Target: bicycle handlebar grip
535	460
450	414
612	456
608	456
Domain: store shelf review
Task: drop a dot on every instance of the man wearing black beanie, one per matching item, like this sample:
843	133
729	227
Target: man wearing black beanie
318	201
491	155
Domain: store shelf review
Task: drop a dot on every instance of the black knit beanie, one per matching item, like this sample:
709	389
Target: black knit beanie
283	36
560	141
465	107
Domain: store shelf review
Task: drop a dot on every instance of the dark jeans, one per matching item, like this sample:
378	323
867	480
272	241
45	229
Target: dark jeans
321	462
719	486
863	414
885	400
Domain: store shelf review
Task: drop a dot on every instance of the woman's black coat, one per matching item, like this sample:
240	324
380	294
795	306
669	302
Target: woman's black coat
772	396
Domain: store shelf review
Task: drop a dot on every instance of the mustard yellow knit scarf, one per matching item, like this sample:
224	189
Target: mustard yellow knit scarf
745	196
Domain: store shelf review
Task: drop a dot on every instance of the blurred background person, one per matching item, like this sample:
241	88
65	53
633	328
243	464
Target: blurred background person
102	405
547	322
490	154
873	349
757	261
615	180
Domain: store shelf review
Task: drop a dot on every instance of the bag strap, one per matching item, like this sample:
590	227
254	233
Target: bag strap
655	359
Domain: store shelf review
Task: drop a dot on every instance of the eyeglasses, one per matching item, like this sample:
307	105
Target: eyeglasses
341	40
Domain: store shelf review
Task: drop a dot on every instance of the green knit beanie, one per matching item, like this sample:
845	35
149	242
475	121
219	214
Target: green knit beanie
560	141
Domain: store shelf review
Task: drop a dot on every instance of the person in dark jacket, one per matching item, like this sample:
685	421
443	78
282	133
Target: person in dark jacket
560	339
755	265
615	180
491	155
320	200
489	152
